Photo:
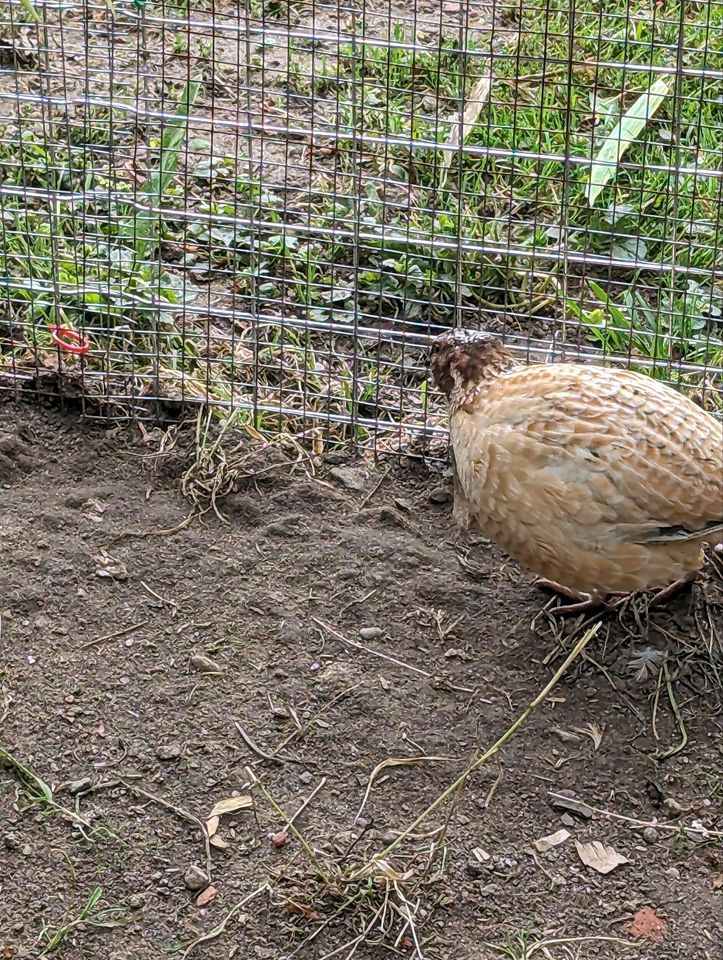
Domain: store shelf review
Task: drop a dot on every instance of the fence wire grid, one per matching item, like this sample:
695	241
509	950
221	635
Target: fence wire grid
272	206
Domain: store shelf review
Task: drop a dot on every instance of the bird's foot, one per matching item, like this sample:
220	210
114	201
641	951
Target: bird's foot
583	601
556	587
662	596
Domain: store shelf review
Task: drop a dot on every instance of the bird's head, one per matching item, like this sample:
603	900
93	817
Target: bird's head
463	359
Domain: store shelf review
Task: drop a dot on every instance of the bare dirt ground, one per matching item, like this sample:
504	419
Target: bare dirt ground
230	652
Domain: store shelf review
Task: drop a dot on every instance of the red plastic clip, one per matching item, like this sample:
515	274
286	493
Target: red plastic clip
70	340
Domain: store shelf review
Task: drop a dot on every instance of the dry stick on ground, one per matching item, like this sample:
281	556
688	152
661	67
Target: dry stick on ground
476	764
113	636
257	784
219	929
305	726
693	832
304	805
559	941
262	754
374	653
180	811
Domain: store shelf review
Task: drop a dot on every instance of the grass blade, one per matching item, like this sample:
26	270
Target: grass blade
631	124
159	180
29	7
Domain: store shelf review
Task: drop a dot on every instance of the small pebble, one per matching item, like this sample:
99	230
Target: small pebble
488	889
168	751
673	873
567	820
204	664
370	633
206	896
195	878
440	495
650	835
353	478
305	777
80	786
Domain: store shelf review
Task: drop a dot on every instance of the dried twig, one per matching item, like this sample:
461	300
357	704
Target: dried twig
113	636
179	811
219	929
496	746
374	653
693	832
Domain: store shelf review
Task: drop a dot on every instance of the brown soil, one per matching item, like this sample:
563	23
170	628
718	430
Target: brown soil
301	562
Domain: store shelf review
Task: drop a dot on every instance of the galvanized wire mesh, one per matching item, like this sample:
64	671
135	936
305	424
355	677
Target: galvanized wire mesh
272	206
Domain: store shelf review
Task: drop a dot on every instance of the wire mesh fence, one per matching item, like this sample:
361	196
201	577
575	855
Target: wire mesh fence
271	206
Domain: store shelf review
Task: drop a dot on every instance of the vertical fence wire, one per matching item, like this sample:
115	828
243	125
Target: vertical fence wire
271	207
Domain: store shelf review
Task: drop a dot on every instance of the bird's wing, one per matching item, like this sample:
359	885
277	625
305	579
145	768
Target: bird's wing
599	450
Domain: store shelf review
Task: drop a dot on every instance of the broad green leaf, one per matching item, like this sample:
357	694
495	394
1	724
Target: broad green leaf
604	166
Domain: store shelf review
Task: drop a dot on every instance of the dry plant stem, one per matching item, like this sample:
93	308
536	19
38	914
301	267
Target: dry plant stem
180	811
672	751
113	636
320	929
507	735
674	828
374	653
299	836
353	944
305	804
218	930
262	754
305	726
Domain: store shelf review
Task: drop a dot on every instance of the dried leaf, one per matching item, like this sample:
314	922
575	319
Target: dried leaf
212	825
593	731
565	735
605	166
459	131
303	911
647	925
232	805
718	882
383	870
206	896
552	840
218	842
570	805
599	857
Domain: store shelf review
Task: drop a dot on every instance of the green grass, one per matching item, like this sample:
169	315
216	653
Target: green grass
90	916
357	246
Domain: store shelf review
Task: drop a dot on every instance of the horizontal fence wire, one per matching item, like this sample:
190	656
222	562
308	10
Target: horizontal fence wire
271	207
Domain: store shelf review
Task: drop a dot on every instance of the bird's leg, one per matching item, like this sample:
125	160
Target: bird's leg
591	601
663	595
583	601
555	587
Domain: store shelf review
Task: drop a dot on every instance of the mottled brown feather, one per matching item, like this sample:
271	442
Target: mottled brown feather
574	470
